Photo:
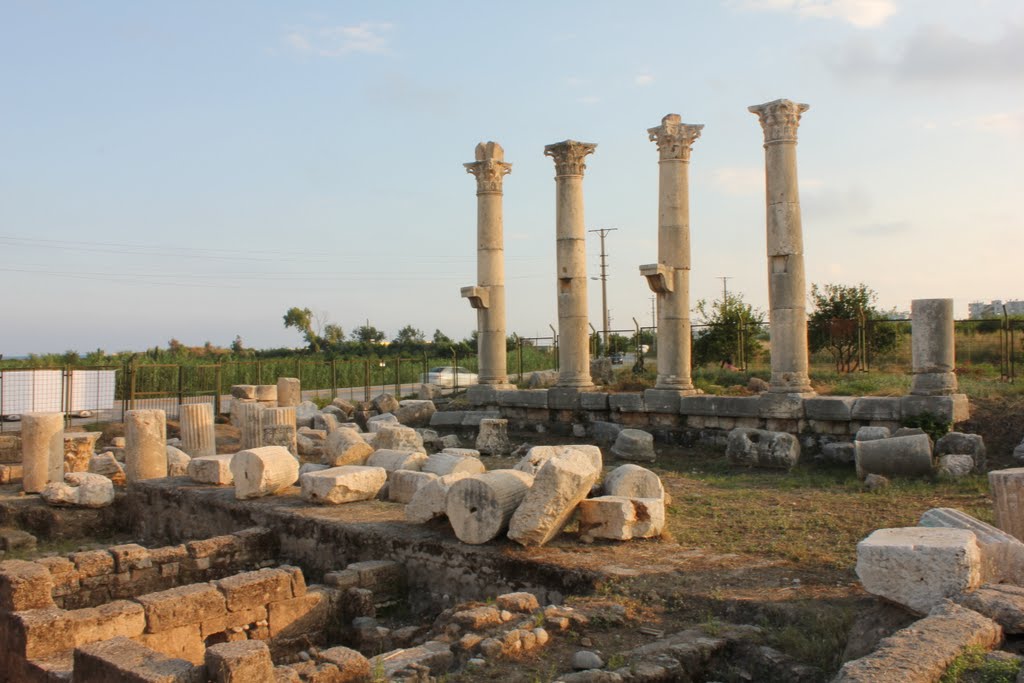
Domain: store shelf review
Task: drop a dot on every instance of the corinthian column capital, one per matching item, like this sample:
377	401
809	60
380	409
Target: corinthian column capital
779	119
489	168
568	156
674	138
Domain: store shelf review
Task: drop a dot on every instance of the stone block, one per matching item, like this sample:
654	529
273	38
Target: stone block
604	433
1002	555
399	438
958	443
182	642
594	400
492	437
434	656
761	448
377	422
79	489
954	408
301	616
781	406
524	398
1007	487
24	585
429	500
263	471
563	398
482	395
78	448
242	662
180	606
232	620
244	391
130	556
472	418
839	452
901	456
380	576
447	418
662	401
633	481
626	403
919	567
92	563
868	433
559	486
538	456
122	660
391	460
634	444
479	507
620	519
212	469
403	484
345	484
454	460
869	408
415	413
1002	603
352	666
110	620
345	447
255	589
832	408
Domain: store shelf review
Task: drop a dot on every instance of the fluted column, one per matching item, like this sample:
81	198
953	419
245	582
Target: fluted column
145	444
42	450
669	278
786	281
277	428
198	435
571	263
249	425
488	296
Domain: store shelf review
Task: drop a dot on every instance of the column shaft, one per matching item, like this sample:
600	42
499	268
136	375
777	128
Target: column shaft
249	425
198	435
932	347
145	444
42	450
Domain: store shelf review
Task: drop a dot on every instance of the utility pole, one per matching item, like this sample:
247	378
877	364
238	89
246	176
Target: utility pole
725	289
604	284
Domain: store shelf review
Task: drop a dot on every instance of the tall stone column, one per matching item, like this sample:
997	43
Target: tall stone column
786	283
145	444
571	263
488	296
198	435
932	347
669	278
42	450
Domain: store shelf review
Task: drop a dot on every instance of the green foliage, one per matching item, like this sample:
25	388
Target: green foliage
728	330
844	322
409	335
974	665
368	334
933	425
302	320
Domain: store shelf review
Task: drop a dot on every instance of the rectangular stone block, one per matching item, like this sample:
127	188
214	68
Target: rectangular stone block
594	400
538	414
218	546
829	408
24	585
168	553
239	662
665	420
130	556
118	618
662	401
524	398
447	418
182	642
11	474
482	395
380	576
563	398
876	408
122	660
302	616
955	408
1002	555
732	406
10	448
254	589
626	403
180	606
777	425
91	563
781	406
34	633
229	620
62	574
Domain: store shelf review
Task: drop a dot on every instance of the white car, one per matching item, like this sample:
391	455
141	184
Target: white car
445	376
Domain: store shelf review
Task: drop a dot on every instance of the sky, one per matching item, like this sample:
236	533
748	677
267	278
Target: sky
191	170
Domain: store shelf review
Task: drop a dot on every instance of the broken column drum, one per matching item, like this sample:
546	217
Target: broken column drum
479	507
669	278
250	425
145	441
42	450
488	296
198	436
571	257
933	357
786	280
1007	488
279	417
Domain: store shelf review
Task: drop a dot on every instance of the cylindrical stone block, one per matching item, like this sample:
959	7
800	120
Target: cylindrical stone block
1007	487
933	358
145	445
198	435
480	507
289	392
263	471
900	456
249	424
42	450
450	463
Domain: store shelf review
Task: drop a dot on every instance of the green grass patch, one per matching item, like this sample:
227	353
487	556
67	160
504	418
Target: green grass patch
975	665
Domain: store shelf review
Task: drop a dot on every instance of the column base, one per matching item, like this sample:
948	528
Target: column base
790	383
933	384
670	383
575	381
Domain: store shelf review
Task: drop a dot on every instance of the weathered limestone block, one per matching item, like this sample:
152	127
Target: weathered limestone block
399	438
397	460
447	462
353	667
80	489
760	448
377	422
1002	555
212	469
433	657
78	448
177	462
385	403
266	393
900	456
634	444
492	439
839	452
868	433
198	435
289	392
345	447
633	481
1007	487
181	606
281	435
244	391
304	413
557	489
145	444
605	433
42	450
924	650
415	413
429	500
538	456
263	471
954	466
958	443
107	465
257	588
1003	603
620	518
24	586
919	567
480	507
345	484
242	661
122	659
403	484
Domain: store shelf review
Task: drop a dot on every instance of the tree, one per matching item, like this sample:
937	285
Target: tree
302	320
410	335
333	335
175	346
368	334
237	346
726	329
441	339
844	320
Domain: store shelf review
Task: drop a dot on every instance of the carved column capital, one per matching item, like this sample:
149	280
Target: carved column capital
489	168
779	119
568	156
674	138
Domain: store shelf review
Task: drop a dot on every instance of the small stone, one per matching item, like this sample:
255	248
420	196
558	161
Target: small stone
177	462
875	482
585	659
955	466
634	444
476	661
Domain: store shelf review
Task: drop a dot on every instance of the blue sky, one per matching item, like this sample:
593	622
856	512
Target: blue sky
192	170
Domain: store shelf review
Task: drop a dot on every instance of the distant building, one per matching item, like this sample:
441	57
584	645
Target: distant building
978	310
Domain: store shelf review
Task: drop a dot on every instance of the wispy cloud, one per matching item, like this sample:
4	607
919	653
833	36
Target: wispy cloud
936	54
860	13
368	37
